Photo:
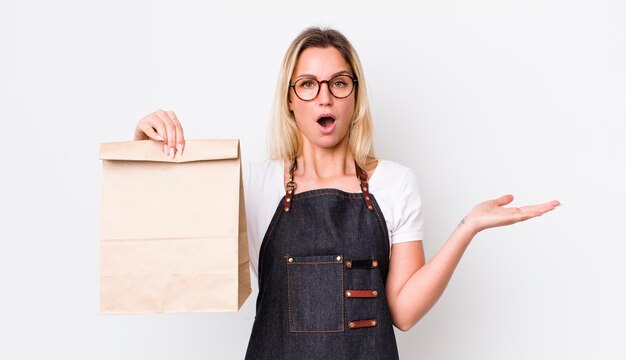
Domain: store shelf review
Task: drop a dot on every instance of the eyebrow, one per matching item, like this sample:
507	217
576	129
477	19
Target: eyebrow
343	72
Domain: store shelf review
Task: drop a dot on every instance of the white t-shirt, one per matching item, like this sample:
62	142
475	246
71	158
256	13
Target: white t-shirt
394	186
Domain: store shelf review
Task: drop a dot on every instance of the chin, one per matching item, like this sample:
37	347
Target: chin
331	143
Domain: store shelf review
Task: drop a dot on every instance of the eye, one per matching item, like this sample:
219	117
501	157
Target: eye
306	84
339	83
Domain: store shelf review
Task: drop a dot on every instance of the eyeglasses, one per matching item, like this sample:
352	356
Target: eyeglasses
340	86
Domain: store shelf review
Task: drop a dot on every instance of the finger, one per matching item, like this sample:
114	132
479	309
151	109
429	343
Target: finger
151	133
504	200
171	132
545	206
180	136
537	210
145	131
152	124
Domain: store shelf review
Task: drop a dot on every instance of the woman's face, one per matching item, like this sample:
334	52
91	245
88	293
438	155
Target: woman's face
324	121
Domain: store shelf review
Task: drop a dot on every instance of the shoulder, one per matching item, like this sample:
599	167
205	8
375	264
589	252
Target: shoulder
261	179
260	172
395	187
391	166
265	167
396	190
389	175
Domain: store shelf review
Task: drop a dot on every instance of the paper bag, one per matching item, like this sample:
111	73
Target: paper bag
173	231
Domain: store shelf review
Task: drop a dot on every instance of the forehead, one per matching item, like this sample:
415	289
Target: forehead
320	62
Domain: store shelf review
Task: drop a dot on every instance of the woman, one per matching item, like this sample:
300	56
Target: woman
341	259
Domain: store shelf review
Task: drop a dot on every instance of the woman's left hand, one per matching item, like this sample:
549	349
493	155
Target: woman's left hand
492	213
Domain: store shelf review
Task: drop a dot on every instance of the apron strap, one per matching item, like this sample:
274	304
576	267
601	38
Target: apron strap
291	185
362	175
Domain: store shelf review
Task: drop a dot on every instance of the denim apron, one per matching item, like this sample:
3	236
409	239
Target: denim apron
322	270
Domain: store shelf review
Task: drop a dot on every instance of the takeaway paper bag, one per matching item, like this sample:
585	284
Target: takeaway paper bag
173	231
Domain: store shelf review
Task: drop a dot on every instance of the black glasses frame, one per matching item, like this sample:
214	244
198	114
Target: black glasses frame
355	82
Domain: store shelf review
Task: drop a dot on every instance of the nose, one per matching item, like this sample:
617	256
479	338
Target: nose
325	97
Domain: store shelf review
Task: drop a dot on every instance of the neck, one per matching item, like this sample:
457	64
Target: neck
318	163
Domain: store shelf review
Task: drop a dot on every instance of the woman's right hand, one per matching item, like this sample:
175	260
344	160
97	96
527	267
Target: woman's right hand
164	127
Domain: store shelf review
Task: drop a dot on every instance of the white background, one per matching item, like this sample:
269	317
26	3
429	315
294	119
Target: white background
480	98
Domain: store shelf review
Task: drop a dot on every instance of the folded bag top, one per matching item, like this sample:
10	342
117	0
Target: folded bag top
149	150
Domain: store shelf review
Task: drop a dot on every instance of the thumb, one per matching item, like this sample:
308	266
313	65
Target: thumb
504	200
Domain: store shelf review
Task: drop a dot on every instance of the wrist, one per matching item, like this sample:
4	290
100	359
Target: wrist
468	225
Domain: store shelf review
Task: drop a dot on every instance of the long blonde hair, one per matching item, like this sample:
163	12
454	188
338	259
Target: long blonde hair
285	139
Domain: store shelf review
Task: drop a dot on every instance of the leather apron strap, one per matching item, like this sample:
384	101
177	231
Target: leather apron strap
290	187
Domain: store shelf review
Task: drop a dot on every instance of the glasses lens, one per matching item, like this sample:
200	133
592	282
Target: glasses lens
341	86
306	89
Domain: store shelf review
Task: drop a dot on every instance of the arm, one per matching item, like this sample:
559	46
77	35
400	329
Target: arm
413	286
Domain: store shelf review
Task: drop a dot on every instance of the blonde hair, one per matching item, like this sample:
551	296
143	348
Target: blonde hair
285	139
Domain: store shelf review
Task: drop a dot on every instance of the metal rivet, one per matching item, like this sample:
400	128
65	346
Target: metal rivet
348	294
288	200
375	264
373	322
351	324
286	209
375	293
367	198
364	188
339	258
289	191
370	207
290	260
349	264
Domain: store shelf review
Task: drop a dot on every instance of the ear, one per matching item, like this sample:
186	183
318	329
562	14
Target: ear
290	102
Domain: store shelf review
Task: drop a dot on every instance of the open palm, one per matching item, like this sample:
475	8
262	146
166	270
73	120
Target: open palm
492	213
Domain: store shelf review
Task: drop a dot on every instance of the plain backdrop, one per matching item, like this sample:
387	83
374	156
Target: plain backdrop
481	98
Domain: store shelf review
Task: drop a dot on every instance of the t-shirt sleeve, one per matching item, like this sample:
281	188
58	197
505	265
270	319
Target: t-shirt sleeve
262	192
409	225
245	176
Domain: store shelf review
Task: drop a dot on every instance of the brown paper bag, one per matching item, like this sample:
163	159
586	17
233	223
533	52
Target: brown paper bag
173	231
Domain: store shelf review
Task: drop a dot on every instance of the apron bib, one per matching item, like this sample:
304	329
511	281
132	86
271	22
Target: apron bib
322	270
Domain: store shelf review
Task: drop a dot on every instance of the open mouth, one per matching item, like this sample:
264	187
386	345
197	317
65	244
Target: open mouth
326	121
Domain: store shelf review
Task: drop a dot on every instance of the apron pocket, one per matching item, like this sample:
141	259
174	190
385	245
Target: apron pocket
315	293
